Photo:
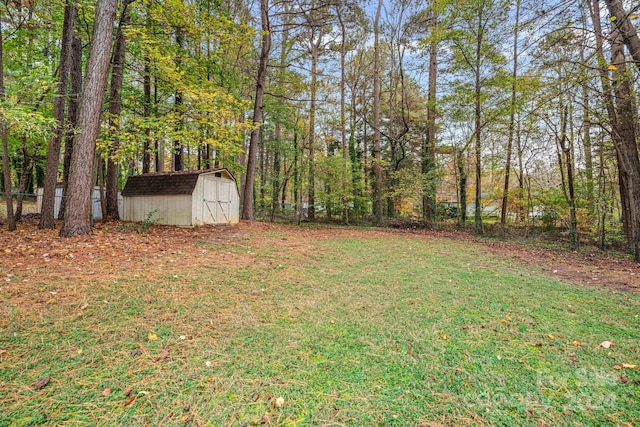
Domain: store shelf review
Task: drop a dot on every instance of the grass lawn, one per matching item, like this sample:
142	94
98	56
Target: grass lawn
349	328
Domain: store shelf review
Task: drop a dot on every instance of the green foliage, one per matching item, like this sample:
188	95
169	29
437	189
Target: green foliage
338	191
144	225
409	186
23	122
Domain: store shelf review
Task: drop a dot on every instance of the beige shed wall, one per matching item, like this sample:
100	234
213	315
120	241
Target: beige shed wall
172	209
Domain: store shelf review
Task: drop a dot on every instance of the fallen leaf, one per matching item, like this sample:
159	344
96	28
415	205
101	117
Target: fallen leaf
624	380
163	355
152	336
628	366
617	367
2	351
42	383
606	344
129	401
106	391
278	402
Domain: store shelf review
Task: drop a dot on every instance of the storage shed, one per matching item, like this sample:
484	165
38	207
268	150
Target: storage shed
96	206
183	198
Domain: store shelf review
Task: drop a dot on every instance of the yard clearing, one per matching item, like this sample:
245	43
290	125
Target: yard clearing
349	326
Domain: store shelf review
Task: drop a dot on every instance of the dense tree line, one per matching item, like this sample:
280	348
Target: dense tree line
506	111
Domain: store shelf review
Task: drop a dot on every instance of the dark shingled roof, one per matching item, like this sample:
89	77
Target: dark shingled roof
161	183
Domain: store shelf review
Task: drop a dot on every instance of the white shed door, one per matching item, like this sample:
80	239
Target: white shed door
217	201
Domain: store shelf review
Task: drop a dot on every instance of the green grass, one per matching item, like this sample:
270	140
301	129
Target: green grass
388	330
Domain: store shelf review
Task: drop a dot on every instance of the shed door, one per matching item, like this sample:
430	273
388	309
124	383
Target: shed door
217	201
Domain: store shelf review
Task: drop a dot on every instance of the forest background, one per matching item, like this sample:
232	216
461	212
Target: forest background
515	113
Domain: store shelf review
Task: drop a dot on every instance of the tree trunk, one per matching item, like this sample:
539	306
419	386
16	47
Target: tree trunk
621	116
343	117
115	106
247	197
462	174
602	208
429	148
522	212
75	75
275	193
622	23
315	52
178	150
261	202
565	147
296	176
27	171
11	223
53	152
628	149
512	120
377	158
78	215
586	145
99	175
146	153
478	126
625	208
356	158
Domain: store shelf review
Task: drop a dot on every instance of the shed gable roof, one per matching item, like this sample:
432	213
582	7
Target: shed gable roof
174	183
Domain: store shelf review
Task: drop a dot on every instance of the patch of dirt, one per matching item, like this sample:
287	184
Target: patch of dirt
581	268
115	247
592	269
